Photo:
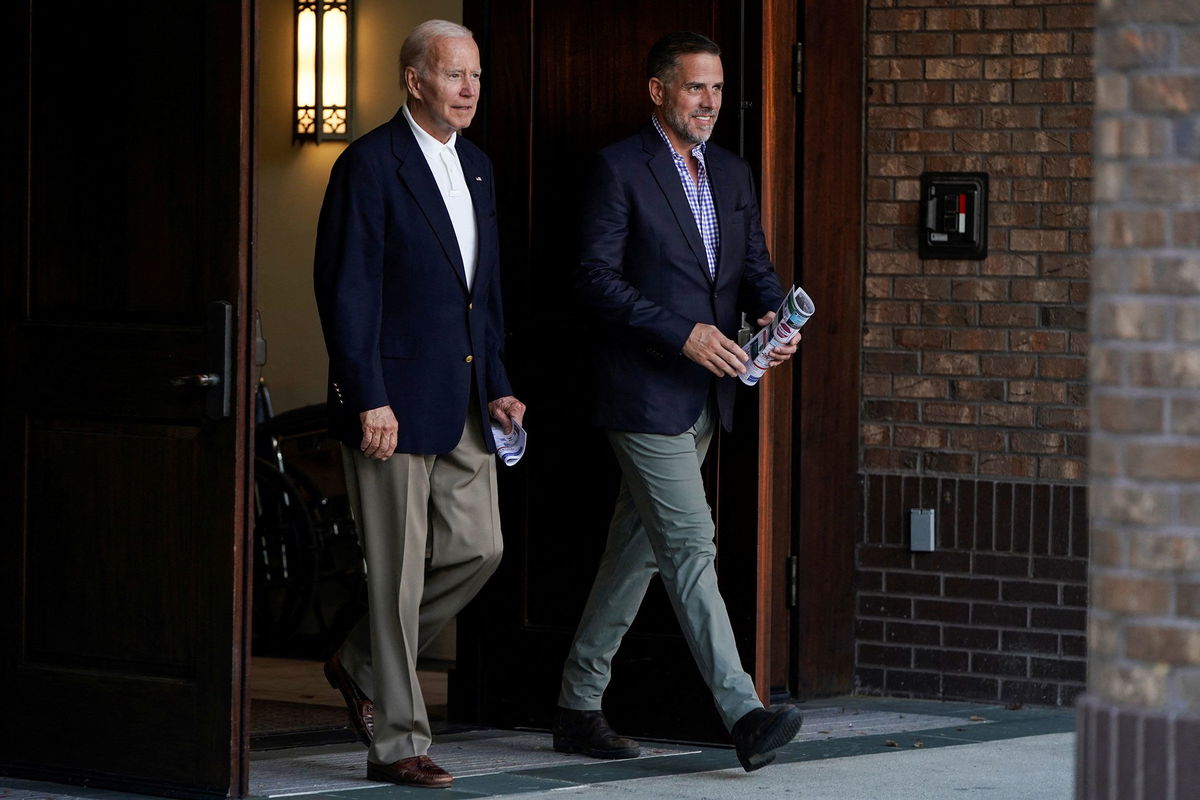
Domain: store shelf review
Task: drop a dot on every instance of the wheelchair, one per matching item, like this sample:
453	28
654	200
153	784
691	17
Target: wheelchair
309	576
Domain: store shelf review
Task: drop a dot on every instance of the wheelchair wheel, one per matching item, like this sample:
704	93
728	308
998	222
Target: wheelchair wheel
285	557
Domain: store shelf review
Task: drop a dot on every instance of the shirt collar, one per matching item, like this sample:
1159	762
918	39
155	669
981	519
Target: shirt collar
697	151
429	145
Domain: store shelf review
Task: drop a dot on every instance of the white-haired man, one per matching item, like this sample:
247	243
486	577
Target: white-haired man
408	287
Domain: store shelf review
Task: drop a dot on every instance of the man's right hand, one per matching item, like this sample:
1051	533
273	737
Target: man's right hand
709	348
379	432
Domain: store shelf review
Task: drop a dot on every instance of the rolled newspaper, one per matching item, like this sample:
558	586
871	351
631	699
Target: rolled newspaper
795	310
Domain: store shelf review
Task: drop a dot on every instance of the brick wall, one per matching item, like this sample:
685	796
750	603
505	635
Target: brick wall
975	393
1139	727
996	613
978	367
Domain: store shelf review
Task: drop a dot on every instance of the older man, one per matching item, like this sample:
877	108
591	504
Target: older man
672	250
408	288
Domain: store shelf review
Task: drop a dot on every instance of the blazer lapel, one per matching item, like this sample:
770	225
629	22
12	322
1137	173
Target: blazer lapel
415	175
662	166
723	202
473	173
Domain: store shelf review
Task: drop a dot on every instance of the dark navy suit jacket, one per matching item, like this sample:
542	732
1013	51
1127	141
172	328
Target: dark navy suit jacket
400	325
644	274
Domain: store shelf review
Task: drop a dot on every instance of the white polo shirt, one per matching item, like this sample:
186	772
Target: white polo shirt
448	173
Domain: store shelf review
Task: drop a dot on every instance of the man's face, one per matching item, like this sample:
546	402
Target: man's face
691	98
449	90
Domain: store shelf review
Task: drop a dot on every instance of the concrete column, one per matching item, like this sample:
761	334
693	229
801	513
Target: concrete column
1139	723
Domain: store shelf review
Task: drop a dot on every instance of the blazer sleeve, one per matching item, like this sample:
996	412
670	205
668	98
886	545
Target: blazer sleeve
600	280
760	290
348	278
497	375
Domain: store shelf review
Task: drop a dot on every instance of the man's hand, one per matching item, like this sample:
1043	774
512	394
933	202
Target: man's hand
709	348
506	409
779	354
379	432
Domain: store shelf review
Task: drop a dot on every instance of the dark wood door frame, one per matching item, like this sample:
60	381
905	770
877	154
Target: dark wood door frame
825	507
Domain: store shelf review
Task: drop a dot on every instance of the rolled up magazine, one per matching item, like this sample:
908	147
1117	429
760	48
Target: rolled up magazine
795	310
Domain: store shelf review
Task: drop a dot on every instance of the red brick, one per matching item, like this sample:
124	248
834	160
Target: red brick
950	413
953	19
977	390
1041	43
887	313
922	141
1039	341
1007	315
953	314
1068	117
876	458
925	438
877	386
1012	117
894	117
953	117
982	141
881	93
982	92
1031	191
978	440
1012	19
980	289
982	43
1069	67
1006	416
1009	465
1009	366
953	69
881	44
1062	469
1081	17
909	386
1062	367
951	364
894	20
1014	166
1041	142
1036	392
925	44
894	69
873	434
1040	443
926	93
956	463
1066	216
1038	240
979	339
1046	291
1041	92
921	339
1014	68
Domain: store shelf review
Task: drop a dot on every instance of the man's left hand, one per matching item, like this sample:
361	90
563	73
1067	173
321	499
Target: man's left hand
506	409
783	352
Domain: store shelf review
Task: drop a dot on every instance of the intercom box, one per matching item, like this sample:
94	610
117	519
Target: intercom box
953	215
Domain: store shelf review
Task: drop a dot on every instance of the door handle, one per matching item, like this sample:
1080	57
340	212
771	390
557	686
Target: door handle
204	380
218	350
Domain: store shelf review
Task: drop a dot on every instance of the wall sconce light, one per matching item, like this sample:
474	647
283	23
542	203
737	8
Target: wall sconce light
323	70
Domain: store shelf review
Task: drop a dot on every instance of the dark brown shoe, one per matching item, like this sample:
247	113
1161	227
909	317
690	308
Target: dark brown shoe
362	712
415	771
588	732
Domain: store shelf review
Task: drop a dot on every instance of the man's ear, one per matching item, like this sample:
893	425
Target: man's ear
412	82
657	91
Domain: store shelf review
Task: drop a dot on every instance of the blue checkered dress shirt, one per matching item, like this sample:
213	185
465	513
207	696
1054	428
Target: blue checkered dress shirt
699	197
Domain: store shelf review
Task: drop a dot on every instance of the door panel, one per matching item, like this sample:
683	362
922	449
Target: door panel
555	93
125	193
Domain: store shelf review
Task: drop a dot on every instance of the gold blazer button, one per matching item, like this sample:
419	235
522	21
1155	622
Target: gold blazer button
469	359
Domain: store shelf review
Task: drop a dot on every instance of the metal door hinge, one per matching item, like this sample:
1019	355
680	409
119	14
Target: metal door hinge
798	67
793	581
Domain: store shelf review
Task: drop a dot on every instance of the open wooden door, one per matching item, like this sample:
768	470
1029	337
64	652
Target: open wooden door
563	80
125	199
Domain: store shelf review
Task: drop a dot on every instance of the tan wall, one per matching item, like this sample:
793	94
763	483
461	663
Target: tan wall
291	179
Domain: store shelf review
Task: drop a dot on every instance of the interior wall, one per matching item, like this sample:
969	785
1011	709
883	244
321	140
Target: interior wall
291	178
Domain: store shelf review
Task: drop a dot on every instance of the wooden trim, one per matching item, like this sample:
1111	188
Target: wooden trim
778	192
829	384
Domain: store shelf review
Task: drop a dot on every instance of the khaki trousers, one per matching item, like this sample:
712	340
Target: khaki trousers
402	506
662	523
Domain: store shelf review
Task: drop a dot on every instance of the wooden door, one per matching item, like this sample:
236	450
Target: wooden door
126	218
562	81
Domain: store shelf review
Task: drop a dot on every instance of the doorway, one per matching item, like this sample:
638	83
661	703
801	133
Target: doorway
308	574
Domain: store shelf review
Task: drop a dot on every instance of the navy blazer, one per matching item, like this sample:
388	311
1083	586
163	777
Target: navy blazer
644	274
400	325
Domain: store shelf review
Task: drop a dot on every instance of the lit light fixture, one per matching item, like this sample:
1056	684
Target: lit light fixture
323	70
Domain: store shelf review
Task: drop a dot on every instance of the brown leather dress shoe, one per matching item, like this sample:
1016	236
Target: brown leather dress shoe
362	712
415	771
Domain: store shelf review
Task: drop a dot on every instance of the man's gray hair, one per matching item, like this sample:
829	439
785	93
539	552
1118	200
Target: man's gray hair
415	50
